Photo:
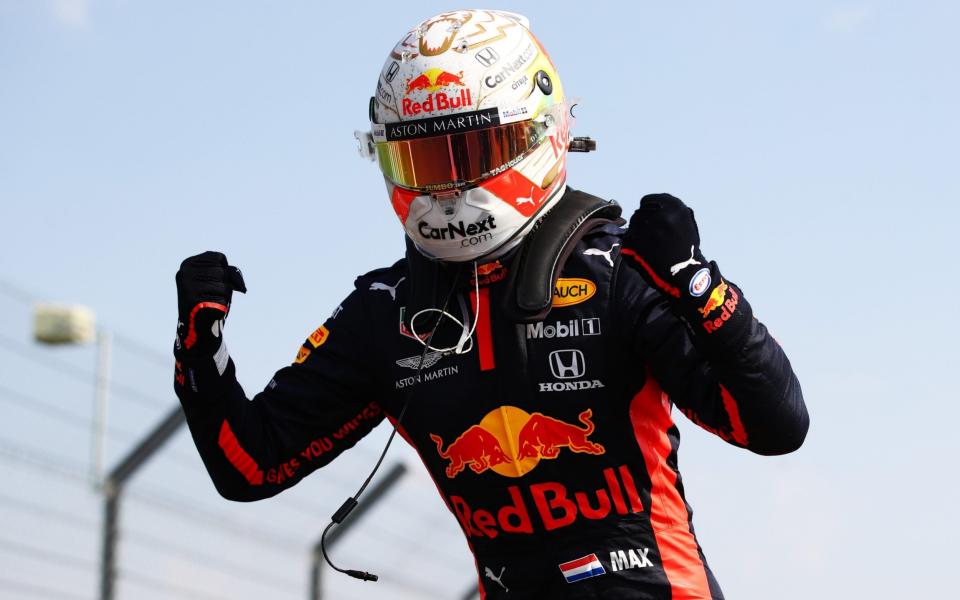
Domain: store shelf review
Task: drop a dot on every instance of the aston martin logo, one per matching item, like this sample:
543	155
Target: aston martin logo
413	362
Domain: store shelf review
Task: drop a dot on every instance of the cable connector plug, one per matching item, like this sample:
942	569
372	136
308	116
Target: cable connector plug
345	509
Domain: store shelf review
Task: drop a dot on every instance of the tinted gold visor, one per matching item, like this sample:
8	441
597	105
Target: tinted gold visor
456	160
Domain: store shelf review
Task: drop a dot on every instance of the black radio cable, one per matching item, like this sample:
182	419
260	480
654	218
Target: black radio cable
351	503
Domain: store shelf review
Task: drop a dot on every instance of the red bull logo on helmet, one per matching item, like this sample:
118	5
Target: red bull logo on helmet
433	82
434	79
511	442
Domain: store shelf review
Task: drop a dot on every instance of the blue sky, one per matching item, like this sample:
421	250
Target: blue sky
817	143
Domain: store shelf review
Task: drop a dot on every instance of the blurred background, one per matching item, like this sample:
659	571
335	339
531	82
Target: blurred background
817	142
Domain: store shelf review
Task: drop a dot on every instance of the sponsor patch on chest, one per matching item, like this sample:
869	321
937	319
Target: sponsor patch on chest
563	329
405	382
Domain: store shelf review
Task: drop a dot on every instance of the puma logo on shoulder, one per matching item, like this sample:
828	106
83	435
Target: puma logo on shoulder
599	252
377	285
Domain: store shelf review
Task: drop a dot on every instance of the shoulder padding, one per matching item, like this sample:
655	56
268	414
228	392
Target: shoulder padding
547	247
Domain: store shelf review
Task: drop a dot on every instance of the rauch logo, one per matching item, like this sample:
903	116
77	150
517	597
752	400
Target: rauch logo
572	290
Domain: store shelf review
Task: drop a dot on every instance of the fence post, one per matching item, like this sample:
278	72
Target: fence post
113	488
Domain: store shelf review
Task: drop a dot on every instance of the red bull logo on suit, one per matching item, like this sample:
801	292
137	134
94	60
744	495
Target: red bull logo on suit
475	447
550	505
511	442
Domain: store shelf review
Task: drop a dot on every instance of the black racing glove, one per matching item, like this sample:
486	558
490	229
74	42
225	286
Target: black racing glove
205	285
663	243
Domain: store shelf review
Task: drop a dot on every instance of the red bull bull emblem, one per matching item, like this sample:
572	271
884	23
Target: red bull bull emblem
490	273
715	300
432	81
718	299
476	447
511	442
487	268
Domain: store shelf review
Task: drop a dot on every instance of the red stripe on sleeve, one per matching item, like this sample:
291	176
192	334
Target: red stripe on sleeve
484	334
739	433
663	285
238	457
650	416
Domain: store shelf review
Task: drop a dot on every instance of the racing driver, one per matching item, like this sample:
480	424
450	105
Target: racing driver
529	346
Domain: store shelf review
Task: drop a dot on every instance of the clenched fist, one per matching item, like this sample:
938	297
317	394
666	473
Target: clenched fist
205	286
663	243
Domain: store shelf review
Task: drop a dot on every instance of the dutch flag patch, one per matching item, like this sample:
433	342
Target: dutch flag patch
582	568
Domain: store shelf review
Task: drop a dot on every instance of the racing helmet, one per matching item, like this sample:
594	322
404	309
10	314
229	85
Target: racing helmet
470	129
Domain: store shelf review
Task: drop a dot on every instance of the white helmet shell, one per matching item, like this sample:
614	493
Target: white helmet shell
459	85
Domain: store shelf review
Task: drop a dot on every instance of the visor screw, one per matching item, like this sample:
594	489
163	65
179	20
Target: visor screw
544	83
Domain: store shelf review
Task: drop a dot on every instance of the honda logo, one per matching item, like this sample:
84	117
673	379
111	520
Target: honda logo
392	71
567	364
488	57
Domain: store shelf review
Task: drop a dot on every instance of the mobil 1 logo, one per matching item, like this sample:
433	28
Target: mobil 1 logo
563	329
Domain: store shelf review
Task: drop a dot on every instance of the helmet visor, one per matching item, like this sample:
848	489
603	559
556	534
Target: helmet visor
458	159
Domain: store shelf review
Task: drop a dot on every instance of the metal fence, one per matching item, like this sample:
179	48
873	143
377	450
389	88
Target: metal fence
152	526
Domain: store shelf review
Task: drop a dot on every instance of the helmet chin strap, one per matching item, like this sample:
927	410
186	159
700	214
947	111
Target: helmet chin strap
465	344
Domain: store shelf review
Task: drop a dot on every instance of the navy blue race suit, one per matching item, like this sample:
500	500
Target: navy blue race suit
553	444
